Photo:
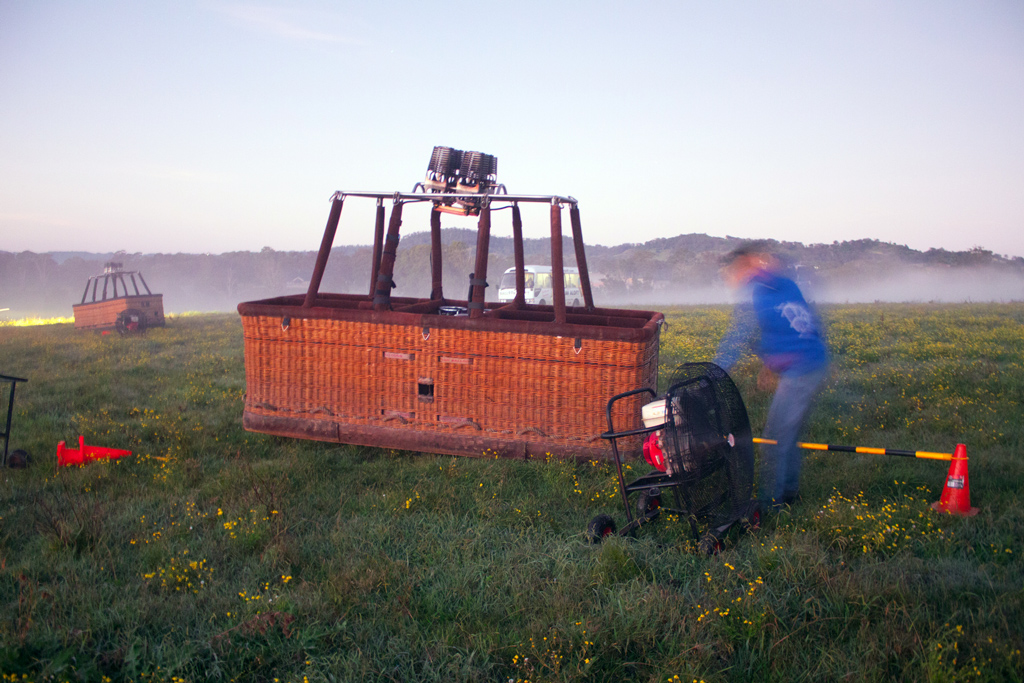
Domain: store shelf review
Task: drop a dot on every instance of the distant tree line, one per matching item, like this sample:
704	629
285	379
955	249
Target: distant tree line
48	284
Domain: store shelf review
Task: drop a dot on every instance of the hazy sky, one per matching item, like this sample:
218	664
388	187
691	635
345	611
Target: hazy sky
207	126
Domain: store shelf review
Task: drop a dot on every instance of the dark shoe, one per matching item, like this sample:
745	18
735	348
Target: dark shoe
791	498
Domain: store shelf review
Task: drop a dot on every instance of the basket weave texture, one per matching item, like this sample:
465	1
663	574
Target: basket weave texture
445	381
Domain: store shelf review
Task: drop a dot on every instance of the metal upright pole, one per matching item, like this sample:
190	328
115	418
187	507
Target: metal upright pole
10	412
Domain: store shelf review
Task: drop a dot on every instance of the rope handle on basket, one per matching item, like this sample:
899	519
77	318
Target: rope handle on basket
528	430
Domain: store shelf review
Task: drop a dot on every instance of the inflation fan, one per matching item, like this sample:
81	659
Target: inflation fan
697	436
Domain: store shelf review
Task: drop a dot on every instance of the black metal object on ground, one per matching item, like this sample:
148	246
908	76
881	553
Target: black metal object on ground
10	411
709	450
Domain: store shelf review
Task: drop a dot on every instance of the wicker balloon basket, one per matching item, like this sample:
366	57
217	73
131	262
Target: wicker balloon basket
464	377
121	304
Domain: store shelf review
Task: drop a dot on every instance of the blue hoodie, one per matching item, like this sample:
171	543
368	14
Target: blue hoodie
791	338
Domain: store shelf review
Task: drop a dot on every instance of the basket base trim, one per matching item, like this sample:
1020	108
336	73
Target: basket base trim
463	442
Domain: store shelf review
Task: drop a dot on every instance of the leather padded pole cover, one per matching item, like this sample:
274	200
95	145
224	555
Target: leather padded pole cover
143	281
325	251
581	257
436	292
483	242
382	297
557	265
517	246
378	246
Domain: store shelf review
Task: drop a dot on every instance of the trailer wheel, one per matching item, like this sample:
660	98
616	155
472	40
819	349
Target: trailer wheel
541	302
599	528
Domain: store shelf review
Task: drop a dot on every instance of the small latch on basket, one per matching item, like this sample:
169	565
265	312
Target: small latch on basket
578	345
426	333
286	322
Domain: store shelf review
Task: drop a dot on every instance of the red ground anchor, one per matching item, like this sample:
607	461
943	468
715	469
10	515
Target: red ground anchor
69	456
956	496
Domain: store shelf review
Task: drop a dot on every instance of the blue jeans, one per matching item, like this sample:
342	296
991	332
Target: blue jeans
780	464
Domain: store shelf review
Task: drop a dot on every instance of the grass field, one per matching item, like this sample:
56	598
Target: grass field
216	554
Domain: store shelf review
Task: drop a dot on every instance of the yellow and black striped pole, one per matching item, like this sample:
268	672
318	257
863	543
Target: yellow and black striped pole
863	449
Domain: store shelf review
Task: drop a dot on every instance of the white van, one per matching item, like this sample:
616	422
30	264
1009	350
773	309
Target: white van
538	286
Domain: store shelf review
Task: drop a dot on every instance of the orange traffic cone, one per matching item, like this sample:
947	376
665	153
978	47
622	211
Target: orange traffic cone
70	456
956	496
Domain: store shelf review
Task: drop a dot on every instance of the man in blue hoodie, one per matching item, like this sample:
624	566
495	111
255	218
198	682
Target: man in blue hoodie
791	346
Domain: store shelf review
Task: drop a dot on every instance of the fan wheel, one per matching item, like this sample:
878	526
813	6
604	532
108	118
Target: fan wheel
600	527
647	502
753	517
710	544
130	321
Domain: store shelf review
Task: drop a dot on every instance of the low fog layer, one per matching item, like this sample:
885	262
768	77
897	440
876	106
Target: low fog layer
674	271
969	284
945	285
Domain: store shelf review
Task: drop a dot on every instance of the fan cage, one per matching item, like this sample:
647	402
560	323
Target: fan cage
709	441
